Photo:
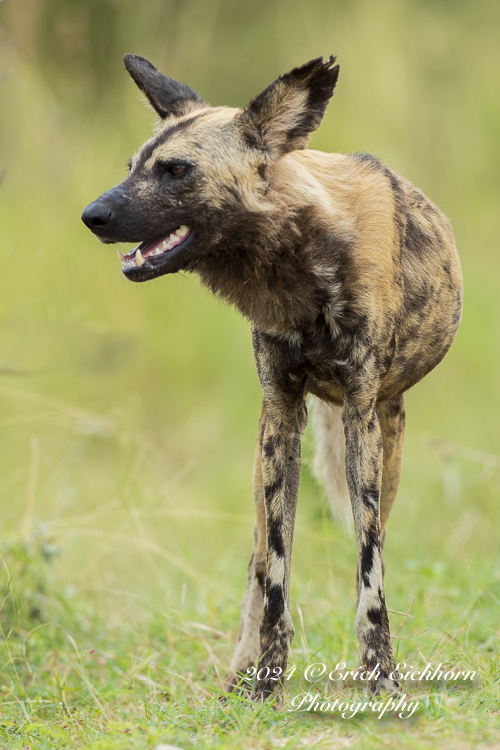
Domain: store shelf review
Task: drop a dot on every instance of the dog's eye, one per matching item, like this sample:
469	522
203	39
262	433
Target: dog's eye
171	168
176	169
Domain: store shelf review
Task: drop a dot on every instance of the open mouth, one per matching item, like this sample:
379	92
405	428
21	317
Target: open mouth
154	258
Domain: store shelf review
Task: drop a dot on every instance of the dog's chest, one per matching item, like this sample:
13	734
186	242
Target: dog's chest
312	352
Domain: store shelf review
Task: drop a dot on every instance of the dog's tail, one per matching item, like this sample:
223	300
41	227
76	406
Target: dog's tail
329	462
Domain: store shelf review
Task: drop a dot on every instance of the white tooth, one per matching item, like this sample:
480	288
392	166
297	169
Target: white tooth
121	255
163	245
159	250
183	229
173	238
139	260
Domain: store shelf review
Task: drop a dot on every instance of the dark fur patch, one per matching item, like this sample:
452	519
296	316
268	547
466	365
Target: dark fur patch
375	617
367	552
370	496
260	576
395	407
273	488
275	536
275	604
369	159
167	96
417	241
148	150
269	448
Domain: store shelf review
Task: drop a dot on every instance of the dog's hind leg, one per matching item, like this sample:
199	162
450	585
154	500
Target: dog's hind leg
364	462
247	647
391	417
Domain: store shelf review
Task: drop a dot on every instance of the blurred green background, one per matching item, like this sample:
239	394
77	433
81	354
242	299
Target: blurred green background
129	412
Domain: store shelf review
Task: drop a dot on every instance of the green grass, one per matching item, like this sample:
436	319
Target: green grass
118	621
129	412
88	665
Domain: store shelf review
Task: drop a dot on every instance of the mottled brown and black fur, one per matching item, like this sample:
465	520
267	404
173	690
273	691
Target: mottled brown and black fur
351	282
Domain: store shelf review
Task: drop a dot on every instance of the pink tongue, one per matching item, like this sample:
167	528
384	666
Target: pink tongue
147	248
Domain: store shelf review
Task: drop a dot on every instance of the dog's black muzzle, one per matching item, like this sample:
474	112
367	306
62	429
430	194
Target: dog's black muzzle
132	212
114	216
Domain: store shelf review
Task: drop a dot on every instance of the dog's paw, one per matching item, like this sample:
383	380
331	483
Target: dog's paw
261	695
384	684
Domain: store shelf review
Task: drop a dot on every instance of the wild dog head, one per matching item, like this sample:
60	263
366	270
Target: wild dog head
206	176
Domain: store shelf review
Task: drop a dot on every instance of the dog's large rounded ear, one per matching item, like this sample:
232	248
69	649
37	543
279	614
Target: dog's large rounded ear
167	97
281	118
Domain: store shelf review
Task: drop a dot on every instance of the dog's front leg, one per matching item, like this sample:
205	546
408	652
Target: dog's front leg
247	648
364	478
286	418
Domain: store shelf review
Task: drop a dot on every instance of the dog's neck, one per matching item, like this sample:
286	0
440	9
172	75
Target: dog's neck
267	270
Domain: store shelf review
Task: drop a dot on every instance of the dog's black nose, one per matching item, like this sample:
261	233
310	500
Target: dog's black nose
96	216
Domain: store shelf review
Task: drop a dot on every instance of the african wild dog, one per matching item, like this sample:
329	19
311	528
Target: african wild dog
351	281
